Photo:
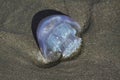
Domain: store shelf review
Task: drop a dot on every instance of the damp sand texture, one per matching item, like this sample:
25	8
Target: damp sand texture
100	56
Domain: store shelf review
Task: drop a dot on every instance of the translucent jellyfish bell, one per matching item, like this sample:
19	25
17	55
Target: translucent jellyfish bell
56	36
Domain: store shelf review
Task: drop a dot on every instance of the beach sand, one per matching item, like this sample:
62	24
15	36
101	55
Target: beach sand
100	55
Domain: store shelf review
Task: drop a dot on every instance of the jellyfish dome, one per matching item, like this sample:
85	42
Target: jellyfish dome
57	39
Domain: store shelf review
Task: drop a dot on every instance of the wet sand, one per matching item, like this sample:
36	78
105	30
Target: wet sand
100	55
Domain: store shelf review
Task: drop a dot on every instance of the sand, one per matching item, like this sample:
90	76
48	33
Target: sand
100	55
